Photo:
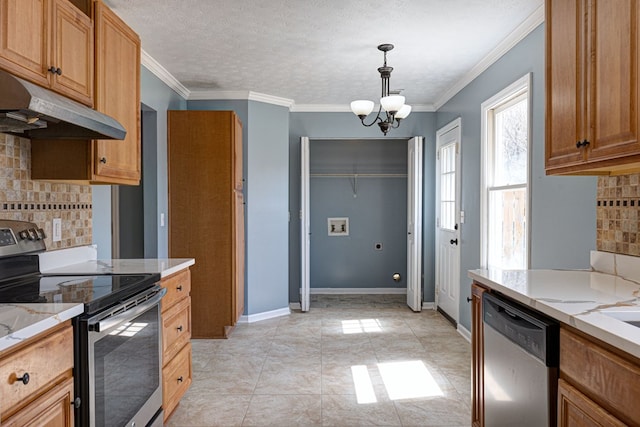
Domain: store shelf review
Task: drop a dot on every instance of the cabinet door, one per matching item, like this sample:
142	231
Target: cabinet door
477	351
72	52
565	83
613	79
117	95
238	260
52	409
576	410
24	48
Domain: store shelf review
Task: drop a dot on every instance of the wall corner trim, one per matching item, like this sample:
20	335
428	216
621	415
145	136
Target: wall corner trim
163	74
207	95
251	318
428	305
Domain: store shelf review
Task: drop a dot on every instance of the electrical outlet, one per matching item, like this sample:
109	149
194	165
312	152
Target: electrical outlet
57	230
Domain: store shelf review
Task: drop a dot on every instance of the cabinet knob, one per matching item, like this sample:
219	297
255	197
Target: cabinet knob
180	379
179	288
582	144
179	328
103	160
76	402
54	70
24	378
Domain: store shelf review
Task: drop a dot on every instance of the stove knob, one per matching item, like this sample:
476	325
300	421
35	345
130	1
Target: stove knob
33	234
23	234
41	234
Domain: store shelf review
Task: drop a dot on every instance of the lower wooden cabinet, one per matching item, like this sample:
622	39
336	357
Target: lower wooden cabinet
36	380
577	410
599	385
176	336
52	409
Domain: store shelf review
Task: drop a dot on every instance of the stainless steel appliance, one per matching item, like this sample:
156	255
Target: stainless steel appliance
117	350
520	365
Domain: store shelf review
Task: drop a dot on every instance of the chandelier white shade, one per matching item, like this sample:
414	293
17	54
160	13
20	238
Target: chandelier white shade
393	104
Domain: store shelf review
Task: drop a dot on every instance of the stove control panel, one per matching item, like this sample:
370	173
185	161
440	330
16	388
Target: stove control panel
20	237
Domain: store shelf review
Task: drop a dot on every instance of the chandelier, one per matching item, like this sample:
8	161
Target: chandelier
393	104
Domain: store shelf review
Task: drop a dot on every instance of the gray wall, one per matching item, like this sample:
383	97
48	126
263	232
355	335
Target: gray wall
345	126
158	97
562	208
265	162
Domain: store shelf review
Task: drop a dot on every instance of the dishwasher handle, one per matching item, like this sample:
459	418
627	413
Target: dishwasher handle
535	333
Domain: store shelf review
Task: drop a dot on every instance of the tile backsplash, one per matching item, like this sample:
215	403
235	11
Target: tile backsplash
39	201
618	204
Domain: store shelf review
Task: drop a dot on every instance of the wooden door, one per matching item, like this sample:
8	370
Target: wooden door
565	83
71	35
613	79
117	95
477	354
24	47
577	410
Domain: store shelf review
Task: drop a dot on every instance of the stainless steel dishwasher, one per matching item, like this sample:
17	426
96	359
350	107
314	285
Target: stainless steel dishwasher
520	365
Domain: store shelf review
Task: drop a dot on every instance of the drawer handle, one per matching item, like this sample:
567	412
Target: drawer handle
24	378
179	328
180	379
179	288
103	160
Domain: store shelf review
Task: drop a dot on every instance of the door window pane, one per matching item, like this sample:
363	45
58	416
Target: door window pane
448	186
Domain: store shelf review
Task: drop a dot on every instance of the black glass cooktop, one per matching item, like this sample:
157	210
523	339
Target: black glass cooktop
95	292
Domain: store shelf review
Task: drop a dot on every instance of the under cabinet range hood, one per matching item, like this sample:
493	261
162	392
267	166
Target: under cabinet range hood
33	112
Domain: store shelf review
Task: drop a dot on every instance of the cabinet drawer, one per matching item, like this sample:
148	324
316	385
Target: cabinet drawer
178	286
176	328
46	361
176	378
606	378
575	410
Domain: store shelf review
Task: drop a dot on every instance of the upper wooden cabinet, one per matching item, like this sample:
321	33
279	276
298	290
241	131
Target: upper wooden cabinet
592	75
50	43
117	94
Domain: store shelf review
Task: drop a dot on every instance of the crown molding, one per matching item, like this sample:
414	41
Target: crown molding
241	95
160	72
530	24
342	108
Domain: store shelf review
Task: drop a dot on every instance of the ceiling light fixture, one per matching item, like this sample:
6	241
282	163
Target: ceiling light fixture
392	103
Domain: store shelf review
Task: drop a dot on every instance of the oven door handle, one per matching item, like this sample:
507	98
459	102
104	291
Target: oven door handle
96	325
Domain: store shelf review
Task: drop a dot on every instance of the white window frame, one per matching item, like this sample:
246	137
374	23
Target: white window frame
520	87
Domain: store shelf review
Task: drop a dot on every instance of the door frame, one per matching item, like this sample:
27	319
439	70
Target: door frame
305	216
456	123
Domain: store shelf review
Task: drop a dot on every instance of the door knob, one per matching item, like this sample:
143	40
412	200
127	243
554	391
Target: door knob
453	241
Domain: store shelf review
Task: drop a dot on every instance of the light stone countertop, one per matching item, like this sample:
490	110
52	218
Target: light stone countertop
166	267
19	322
576	298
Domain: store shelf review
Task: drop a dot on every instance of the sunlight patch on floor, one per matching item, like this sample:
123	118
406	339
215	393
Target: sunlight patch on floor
359	326
362	382
408	380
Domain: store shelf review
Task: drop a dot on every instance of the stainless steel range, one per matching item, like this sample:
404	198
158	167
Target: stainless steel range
117	350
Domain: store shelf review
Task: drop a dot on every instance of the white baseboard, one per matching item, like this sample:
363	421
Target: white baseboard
466	334
356	291
251	318
428	305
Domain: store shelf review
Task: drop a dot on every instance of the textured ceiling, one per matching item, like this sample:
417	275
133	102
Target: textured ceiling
322	51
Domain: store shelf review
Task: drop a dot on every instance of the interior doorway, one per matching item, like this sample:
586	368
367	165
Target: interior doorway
134	225
360	218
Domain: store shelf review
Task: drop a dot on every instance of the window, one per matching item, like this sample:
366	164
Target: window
505	178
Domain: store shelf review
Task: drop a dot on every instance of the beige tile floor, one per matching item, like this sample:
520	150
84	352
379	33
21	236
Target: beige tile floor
349	361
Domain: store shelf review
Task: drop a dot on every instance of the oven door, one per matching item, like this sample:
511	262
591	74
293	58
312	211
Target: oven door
124	357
